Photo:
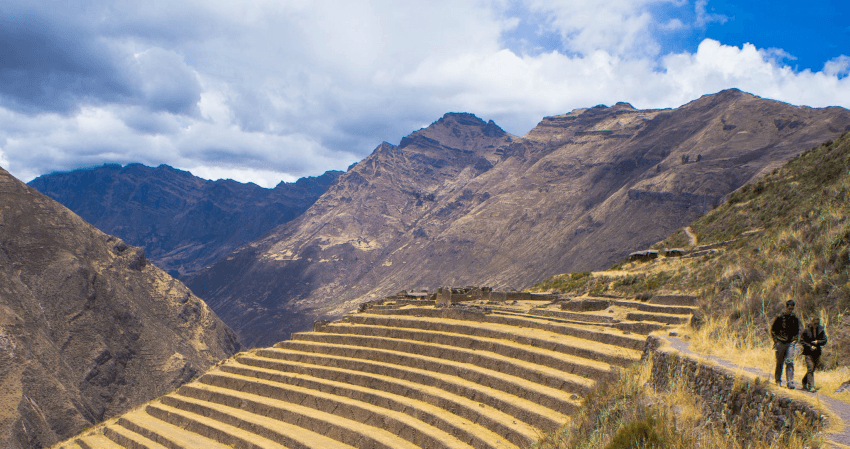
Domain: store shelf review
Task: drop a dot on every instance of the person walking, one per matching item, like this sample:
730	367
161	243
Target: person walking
812	339
785	332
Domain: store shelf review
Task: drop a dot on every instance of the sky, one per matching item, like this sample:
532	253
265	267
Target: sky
267	91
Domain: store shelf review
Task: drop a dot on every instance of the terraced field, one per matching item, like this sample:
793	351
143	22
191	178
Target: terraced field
404	374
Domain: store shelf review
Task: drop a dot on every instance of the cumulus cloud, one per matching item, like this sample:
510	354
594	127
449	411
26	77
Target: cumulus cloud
269	91
618	27
838	66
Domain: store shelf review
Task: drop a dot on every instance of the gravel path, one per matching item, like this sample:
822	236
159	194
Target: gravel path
692	238
841	409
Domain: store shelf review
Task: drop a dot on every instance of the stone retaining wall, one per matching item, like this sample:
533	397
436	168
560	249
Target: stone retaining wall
747	405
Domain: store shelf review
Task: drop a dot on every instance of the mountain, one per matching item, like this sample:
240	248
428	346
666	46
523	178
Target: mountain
183	222
88	328
462	202
785	236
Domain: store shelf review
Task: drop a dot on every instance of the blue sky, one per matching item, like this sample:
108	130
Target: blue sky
266	91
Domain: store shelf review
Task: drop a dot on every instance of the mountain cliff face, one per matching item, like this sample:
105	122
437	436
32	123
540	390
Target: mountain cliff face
183	222
88	328
462	202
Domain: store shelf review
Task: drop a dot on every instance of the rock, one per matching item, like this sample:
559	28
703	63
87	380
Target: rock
87	328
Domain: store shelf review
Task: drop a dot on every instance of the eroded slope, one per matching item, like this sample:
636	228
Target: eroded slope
88	328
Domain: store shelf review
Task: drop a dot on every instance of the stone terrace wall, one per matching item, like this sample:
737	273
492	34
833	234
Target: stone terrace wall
749	406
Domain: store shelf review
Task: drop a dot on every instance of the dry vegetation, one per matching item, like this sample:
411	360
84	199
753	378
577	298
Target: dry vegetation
787	236
626	414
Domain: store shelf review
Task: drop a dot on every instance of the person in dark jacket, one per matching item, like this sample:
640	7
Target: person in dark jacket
813	338
785	332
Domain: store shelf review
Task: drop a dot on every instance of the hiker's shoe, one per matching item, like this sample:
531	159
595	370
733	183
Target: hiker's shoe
811	389
790	385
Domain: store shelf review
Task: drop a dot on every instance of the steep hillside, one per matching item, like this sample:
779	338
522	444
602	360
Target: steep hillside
183	222
88	328
462	202
786	236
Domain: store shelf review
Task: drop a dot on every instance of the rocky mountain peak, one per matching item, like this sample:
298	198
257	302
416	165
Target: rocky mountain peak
457	131
462	202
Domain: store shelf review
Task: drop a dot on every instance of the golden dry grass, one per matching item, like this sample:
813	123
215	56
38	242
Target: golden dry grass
626	413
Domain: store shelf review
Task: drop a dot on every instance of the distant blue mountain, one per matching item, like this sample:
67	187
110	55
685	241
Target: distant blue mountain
184	222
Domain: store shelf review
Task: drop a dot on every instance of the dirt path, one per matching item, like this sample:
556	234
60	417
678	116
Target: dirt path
841	409
692	238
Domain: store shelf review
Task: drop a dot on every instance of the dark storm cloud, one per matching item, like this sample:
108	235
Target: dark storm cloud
53	59
49	64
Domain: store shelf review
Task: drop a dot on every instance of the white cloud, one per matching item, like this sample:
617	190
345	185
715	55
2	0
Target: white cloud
267	91
619	27
704	17
838	66
263	178
3	161
673	25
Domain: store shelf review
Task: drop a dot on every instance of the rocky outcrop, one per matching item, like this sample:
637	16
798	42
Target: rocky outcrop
183	222
579	192
88	328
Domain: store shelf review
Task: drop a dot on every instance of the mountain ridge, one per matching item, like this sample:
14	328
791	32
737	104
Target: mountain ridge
579	191
183	221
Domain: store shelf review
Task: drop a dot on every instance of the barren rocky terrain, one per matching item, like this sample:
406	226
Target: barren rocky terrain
88	327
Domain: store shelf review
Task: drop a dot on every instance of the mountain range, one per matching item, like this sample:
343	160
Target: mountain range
184	222
463	202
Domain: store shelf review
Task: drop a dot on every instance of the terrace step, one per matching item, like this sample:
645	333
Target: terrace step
609	333
538	338
126	438
367	404
163	432
520	348
261	430
324	365
421	401
69	445
665	318
169	411
351	422
581	317
674	300
570	375
656	308
639	327
96	441
643	306
553	398
405	374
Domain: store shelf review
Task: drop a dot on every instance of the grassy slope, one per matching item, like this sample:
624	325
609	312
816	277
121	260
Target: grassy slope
787	236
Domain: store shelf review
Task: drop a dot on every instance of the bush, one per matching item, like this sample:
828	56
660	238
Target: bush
638	434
